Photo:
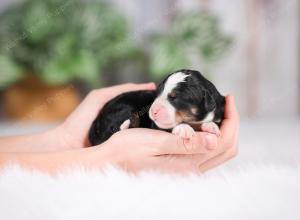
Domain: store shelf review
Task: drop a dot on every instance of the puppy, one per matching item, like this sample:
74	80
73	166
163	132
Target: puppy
184	101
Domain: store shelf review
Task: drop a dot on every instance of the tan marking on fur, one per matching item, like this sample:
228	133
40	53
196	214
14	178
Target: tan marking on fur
183	117
135	120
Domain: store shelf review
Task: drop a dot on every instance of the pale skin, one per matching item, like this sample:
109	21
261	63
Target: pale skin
133	150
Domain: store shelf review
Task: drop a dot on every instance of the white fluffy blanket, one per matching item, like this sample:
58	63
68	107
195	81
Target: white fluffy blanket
250	192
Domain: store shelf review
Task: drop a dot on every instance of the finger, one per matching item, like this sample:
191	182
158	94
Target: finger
230	108
184	164
201	143
198	163
218	160
109	93
231	115
230	125
134	87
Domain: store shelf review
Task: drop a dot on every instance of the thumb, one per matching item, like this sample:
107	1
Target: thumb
145	86
134	87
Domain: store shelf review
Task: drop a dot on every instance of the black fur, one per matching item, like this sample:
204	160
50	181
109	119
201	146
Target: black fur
199	93
196	93
130	105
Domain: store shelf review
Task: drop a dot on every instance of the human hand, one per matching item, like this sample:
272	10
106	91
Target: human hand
145	149
141	149
73	132
228	142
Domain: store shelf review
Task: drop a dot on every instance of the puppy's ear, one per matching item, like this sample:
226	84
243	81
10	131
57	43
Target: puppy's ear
209	101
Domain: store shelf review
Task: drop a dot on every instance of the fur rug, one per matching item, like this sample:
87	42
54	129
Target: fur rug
250	192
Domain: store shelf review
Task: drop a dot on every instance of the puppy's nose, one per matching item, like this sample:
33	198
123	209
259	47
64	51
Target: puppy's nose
155	110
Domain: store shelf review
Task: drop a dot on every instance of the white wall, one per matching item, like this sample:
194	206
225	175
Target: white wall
277	66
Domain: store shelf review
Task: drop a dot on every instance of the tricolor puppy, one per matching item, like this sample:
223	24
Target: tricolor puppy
183	101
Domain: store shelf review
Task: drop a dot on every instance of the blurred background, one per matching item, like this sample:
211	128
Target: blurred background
52	52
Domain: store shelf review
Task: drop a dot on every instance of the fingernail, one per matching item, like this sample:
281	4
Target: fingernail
210	141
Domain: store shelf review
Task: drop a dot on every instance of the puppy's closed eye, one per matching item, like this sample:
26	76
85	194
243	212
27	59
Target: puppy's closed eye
172	96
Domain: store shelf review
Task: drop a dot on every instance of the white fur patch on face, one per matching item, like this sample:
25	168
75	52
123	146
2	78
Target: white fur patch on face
171	112
169	86
172	82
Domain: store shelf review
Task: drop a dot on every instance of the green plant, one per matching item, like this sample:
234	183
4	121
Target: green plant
60	40
193	36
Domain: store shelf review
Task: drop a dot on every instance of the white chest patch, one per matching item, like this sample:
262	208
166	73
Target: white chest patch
209	117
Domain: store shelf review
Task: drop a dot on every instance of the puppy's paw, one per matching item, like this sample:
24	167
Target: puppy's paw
184	131
125	125
211	127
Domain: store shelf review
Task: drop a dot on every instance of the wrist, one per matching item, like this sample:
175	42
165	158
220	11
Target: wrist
50	140
100	156
64	140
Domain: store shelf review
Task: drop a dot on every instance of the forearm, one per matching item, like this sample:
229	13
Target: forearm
52	162
46	141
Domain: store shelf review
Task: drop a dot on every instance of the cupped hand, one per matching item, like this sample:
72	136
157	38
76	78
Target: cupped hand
228	142
144	149
73	132
147	149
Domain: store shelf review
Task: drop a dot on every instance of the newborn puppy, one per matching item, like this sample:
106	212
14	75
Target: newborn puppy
183	101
